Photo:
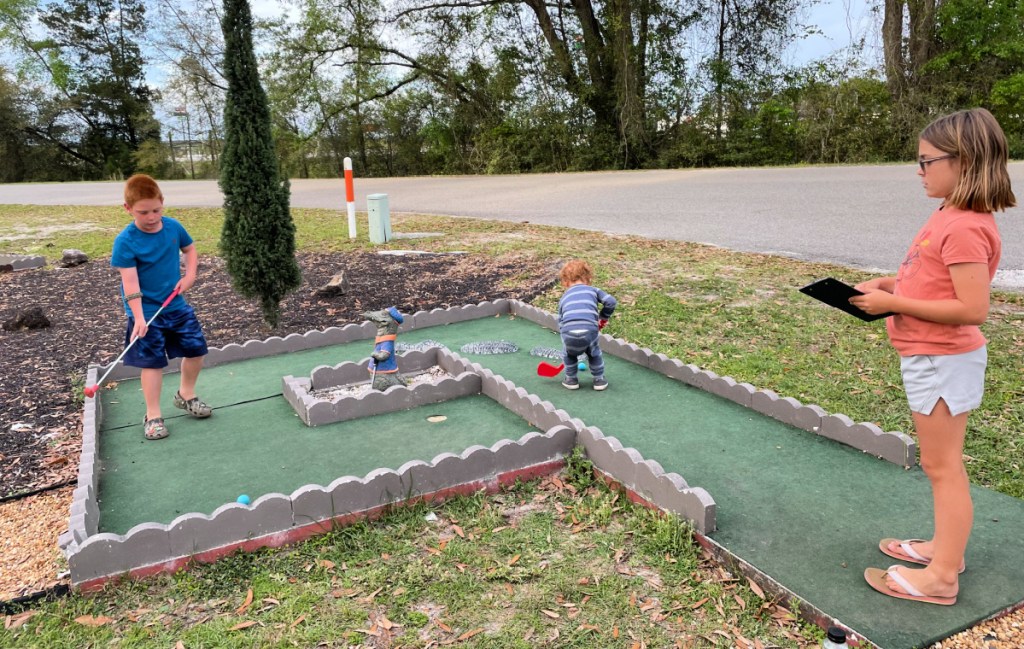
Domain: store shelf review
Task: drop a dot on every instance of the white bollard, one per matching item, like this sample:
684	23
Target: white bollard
350	199
380	218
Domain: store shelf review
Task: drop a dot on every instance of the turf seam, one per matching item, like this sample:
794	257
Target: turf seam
183	415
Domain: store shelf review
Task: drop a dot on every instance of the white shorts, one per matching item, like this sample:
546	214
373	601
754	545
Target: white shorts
957	379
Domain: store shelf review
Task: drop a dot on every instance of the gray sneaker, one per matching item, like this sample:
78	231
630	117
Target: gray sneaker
600	383
194	406
571	383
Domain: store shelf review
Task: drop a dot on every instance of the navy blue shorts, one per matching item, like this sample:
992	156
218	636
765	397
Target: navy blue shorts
172	335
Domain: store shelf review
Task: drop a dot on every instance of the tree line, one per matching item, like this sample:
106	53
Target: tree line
408	87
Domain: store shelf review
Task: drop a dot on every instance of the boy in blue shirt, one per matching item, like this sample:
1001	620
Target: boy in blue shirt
582	312
148	255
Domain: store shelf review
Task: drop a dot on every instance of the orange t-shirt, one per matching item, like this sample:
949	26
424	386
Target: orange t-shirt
951	236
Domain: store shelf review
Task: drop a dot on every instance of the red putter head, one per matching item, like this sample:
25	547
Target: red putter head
90	391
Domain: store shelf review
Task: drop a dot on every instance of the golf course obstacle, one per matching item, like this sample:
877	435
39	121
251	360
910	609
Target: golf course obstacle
317	412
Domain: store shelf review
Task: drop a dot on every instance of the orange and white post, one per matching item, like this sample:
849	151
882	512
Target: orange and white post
350	198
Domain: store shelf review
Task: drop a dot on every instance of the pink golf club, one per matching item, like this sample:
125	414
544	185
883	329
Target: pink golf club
90	391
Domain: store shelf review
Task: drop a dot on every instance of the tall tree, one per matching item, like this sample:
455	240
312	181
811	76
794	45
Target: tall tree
258	237
607	59
908	41
102	79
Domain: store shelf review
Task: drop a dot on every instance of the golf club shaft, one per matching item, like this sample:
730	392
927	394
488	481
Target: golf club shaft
132	341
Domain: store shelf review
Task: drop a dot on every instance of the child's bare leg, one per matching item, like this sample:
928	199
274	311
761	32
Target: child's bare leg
189	374
941	436
152	381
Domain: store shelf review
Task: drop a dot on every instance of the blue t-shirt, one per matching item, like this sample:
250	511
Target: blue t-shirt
156	256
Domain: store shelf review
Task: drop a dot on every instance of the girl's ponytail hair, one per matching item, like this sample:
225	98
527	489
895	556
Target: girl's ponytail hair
976	139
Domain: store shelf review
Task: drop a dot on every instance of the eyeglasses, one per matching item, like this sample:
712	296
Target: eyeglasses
924	163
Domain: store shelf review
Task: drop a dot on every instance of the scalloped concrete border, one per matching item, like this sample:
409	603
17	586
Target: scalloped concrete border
94	558
22	262
317	412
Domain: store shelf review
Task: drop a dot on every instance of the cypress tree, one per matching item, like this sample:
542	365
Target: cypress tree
258	236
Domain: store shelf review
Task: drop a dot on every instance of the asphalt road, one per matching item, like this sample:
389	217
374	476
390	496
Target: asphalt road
860	216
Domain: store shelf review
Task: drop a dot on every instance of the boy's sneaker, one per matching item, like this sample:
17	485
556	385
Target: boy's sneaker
571	383
600	383
194	406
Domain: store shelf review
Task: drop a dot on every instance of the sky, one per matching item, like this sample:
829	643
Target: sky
841	22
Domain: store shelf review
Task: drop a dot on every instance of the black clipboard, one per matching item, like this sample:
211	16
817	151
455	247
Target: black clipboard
837	294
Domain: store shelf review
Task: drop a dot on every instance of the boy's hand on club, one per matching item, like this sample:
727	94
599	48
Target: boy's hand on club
184	284
140	329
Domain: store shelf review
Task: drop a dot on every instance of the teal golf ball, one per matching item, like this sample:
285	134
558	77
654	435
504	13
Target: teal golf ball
243	499
581	366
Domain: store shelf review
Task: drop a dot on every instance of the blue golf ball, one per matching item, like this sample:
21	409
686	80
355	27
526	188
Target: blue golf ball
243	499
581	366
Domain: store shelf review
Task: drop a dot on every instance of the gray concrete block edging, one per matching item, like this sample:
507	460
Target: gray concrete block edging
92	555
22	262
318	412
272	516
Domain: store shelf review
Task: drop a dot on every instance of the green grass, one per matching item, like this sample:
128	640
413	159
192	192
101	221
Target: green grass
733	313
552	562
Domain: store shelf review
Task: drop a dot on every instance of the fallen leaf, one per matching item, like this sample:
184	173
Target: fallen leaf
297	621
179	645
754	587
444	627
469	634
551	614
14	622
327	564
398	591
243	625
89	620
514	559
248	600
458	530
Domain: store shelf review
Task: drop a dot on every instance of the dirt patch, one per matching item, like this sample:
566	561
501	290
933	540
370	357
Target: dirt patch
21	232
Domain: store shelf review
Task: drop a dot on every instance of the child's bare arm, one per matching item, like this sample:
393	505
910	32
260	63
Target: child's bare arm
191	268
130	282
970	307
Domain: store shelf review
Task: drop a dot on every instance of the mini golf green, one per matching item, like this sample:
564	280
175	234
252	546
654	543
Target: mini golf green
805	510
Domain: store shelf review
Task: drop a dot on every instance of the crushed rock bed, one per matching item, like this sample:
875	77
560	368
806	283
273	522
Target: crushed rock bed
433	375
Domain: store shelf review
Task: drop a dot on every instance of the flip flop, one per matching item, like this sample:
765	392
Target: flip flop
908	554
876	579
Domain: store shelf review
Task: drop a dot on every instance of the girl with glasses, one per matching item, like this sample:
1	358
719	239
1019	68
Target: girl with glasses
939	295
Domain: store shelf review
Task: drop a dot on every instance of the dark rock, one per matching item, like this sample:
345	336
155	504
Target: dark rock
32	318
6	268
73	257
337	286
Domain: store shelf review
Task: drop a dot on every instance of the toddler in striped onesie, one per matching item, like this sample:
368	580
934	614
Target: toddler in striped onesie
582	312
